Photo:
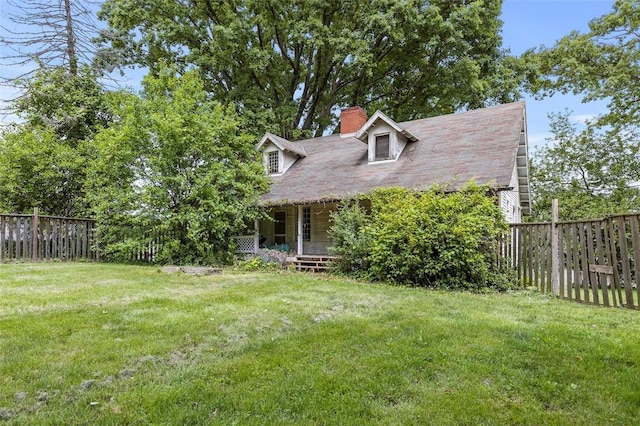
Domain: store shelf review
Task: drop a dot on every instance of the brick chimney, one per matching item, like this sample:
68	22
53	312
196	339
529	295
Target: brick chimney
352	119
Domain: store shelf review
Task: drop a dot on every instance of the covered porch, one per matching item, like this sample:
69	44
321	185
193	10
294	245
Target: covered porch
301	230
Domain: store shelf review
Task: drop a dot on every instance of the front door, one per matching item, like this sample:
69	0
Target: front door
280	228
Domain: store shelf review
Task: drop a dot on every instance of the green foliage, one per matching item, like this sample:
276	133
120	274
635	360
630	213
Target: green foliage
251	264
44	158
290	64
350	241
264	260
39	170
602	64
431	238
591	172
74	106
174	167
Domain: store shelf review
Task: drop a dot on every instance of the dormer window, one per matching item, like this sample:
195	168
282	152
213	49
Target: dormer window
274	162
279	154
386	138
382	147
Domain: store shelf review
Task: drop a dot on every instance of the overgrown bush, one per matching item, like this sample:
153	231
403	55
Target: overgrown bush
430	238
264	260
178	165
350	242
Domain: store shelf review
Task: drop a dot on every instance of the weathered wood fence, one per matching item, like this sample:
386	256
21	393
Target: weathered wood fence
148	250
596	262
46	238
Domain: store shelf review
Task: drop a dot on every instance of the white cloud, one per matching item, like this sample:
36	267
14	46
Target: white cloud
582	118
536	140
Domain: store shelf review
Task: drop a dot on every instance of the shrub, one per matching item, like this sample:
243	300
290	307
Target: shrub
429	238
264	260
350	245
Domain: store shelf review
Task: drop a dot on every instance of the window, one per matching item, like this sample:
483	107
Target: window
306	224
382	147
274	162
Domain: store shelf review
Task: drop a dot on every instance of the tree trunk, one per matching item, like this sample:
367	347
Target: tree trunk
71	41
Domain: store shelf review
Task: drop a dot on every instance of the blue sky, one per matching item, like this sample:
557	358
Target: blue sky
531	23
527	23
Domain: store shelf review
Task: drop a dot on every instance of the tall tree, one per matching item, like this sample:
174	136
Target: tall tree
44	157
595	167
592	172
45	34
299	61
602	64
174	162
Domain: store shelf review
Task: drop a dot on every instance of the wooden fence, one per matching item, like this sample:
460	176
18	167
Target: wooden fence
596	262
45	238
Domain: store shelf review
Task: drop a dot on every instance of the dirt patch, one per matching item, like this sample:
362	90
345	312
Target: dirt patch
177	358
86	385
325	315
5	414
146	359
125	373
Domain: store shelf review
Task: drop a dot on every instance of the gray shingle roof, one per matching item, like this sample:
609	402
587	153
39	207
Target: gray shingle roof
452	149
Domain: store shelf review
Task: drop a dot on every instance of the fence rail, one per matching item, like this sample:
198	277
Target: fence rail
46	238
595	262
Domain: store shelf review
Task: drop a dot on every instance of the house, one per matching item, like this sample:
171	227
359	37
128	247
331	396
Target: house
311	176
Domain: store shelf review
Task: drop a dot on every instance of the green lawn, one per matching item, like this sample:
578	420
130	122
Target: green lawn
112	344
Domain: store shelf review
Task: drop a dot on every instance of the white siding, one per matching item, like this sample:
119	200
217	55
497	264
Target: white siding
320	223
402	142
510	201
397	141
289	159
510	206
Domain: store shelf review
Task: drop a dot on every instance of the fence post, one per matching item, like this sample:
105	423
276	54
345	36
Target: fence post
555	249
34	235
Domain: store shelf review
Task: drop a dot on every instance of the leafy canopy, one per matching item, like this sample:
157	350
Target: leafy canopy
593	170
44	158
174	166
592	173
291	64
602	64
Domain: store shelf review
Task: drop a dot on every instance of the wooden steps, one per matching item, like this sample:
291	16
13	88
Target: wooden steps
314	263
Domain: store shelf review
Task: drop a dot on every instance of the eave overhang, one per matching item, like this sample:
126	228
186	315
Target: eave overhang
282	144
379	115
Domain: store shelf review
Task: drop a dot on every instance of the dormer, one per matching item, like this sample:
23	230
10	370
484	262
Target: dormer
279	154
385	138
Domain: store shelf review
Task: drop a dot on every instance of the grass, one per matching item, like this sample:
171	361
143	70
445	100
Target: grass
113	344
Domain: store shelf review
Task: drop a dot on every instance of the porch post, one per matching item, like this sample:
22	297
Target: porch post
300	230
256	236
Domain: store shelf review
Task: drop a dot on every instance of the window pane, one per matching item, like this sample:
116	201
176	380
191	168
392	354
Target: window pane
382	147
280	227
306	224
273	162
